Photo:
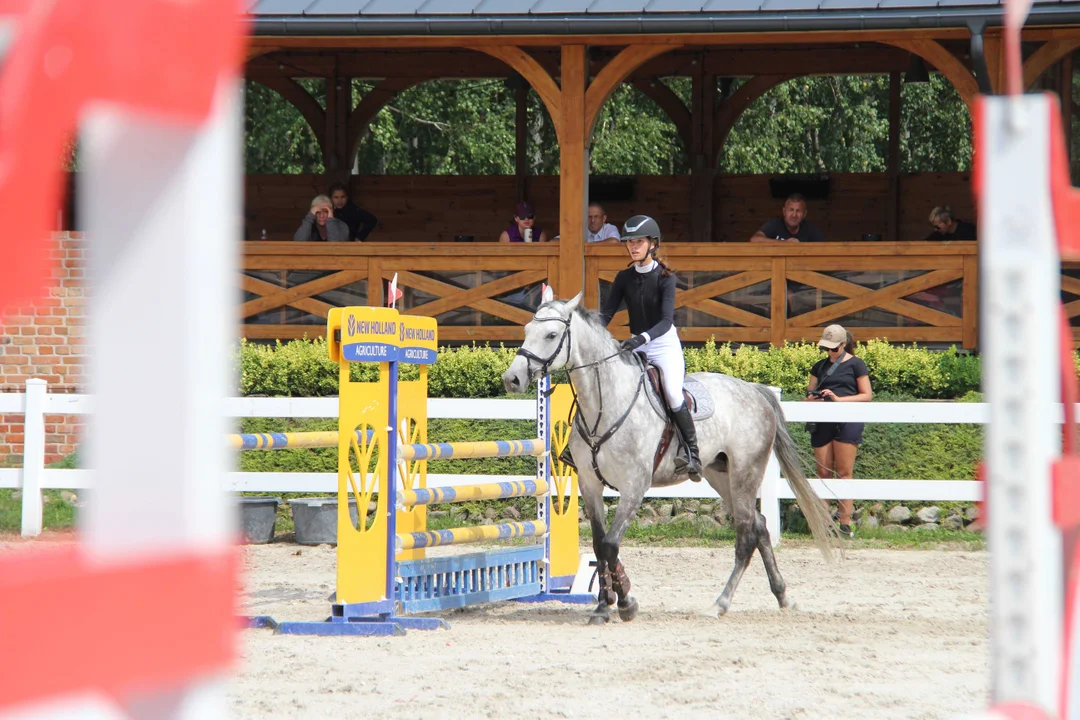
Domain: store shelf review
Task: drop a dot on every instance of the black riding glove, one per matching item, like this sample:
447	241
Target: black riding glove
632	343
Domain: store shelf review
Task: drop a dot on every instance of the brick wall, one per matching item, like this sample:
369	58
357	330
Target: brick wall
46	340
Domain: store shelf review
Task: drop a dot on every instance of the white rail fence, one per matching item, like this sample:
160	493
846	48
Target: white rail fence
36	403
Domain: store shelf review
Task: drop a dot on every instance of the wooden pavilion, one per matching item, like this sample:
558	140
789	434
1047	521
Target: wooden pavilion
574	53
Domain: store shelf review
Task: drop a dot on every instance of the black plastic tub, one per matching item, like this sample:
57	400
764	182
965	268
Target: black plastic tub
316	519
257	518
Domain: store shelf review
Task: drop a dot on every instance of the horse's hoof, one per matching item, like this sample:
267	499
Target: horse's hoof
788	604
599	619
716	610
628	611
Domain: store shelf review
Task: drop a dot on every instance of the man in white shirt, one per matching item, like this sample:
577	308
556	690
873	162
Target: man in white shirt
599	228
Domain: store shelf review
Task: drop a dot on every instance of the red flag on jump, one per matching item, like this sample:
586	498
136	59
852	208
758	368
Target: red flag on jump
394	294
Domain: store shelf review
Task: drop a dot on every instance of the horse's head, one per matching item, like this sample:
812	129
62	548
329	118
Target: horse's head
547	343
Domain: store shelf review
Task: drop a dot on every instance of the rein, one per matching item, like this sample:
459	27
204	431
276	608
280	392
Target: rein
590	436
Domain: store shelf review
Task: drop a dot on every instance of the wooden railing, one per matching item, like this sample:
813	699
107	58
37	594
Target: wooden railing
478	291
771	293
737	292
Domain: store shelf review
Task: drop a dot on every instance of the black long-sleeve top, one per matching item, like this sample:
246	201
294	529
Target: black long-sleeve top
360	221
650	300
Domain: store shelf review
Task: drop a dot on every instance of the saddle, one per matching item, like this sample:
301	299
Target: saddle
698	401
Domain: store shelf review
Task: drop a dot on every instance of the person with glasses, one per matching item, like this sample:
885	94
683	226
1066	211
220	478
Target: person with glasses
947	227
839	377
523	228
600	230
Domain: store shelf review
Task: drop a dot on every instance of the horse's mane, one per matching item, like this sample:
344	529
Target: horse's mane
591	318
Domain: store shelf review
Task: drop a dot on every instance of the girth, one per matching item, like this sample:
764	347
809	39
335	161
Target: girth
666	437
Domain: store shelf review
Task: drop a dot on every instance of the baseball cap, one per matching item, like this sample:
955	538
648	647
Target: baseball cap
523	209
833	337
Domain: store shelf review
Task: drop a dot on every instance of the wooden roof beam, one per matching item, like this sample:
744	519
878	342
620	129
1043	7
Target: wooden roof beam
617	70
378	64
672	105
731	108
946	63
362	115
302	100
449	63
1048	53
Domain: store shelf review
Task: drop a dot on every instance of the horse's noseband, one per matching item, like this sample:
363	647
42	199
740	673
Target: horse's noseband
545	363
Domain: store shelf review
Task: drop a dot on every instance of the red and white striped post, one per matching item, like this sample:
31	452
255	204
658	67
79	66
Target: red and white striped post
138	618
1028	218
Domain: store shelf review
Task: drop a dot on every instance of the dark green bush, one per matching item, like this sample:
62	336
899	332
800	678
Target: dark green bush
301	368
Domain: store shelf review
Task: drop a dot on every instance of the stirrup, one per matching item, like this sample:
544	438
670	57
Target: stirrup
682	465
566	458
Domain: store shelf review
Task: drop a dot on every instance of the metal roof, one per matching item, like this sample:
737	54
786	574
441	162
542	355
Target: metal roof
616	17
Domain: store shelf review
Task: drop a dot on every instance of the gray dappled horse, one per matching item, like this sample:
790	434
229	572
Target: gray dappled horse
619	424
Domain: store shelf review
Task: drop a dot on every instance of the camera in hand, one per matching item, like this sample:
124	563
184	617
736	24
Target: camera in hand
816	393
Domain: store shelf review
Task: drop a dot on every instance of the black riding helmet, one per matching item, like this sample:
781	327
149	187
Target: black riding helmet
640	226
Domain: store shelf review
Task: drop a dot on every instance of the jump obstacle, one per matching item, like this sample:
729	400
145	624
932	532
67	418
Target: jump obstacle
383	574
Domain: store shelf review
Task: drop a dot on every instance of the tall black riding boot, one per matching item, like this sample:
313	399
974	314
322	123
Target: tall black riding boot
688	462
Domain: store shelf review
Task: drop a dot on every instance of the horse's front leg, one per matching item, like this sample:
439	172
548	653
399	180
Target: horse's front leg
624	513
592	493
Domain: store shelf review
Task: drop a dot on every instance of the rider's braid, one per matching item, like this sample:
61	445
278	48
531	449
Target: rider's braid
665	270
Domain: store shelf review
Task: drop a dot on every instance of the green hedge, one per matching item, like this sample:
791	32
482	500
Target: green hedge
301	368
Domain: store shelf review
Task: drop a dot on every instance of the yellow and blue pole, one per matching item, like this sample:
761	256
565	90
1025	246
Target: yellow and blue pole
543	474
391	479
288	441
477	533
474	449
468	493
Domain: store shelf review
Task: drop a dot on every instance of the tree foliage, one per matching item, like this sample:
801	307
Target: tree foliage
442	127
277	138
841	124
812	125
466	127
935	128
633	136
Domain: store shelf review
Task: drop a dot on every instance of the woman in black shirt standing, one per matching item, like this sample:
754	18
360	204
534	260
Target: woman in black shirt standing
840	377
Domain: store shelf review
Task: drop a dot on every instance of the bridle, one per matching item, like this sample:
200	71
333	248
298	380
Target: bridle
545	363
590	436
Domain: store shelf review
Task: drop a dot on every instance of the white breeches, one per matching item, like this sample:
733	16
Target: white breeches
667	354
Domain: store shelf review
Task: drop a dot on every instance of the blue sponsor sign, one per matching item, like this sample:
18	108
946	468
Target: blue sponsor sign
417	340
370	334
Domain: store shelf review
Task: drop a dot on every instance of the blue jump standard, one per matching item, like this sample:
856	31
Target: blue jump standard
434	584
362	626
563	597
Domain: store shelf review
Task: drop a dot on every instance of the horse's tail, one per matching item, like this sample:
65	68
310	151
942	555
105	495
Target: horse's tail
826	536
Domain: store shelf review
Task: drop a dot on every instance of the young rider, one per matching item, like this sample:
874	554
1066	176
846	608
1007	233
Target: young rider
648	287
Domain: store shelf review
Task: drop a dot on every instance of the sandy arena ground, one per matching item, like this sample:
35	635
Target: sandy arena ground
885	634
